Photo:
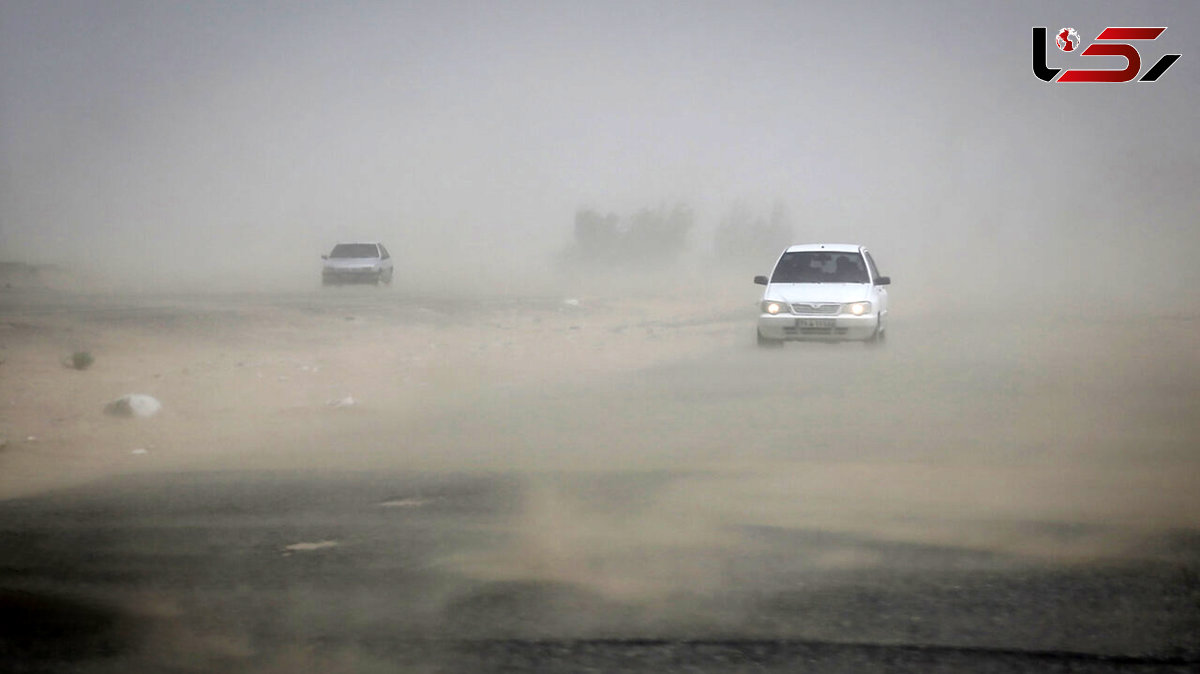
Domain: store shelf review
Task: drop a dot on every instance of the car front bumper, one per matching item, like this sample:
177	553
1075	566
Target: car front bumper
351	276
818	328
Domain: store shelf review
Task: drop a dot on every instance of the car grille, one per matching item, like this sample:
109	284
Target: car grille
815	331
815	308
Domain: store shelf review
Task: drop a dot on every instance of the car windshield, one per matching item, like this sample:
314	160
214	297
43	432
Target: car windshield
355	250
820	267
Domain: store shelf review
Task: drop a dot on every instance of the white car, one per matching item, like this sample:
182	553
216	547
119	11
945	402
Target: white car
357	262
823	292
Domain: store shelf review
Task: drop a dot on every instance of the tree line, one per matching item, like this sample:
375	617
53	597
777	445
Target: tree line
660	235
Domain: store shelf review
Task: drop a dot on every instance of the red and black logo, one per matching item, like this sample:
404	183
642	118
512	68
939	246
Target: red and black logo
1112	41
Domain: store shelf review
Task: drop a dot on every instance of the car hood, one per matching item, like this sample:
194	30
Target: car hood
351	262
820	293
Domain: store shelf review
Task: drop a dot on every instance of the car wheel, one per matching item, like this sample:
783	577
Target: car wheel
767	342
877	339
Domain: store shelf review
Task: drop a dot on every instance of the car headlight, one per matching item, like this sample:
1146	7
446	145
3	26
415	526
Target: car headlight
857	308
772	307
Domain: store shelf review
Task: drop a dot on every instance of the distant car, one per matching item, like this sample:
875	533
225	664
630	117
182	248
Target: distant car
823	292
358	262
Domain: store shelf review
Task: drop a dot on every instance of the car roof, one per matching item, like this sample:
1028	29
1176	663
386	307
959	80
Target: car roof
831	247
358	243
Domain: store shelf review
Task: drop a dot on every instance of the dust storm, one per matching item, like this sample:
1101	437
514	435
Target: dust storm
539	438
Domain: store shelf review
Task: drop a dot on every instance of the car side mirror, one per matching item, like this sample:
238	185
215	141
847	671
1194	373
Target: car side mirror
760	280
883	281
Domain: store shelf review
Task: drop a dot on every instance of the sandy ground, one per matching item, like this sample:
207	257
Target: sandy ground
984	432
248	380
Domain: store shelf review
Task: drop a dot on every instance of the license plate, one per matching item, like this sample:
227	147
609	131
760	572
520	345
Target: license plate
814	322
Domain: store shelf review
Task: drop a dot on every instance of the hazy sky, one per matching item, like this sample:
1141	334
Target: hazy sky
208	137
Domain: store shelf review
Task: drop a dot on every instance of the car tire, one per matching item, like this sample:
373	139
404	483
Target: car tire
767	342
877	339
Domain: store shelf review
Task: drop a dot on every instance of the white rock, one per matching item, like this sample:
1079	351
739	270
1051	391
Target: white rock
133	405
342	402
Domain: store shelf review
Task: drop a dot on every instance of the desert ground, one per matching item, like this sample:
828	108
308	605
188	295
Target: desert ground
662	459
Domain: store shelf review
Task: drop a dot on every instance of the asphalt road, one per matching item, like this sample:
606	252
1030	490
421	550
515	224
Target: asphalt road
349	572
